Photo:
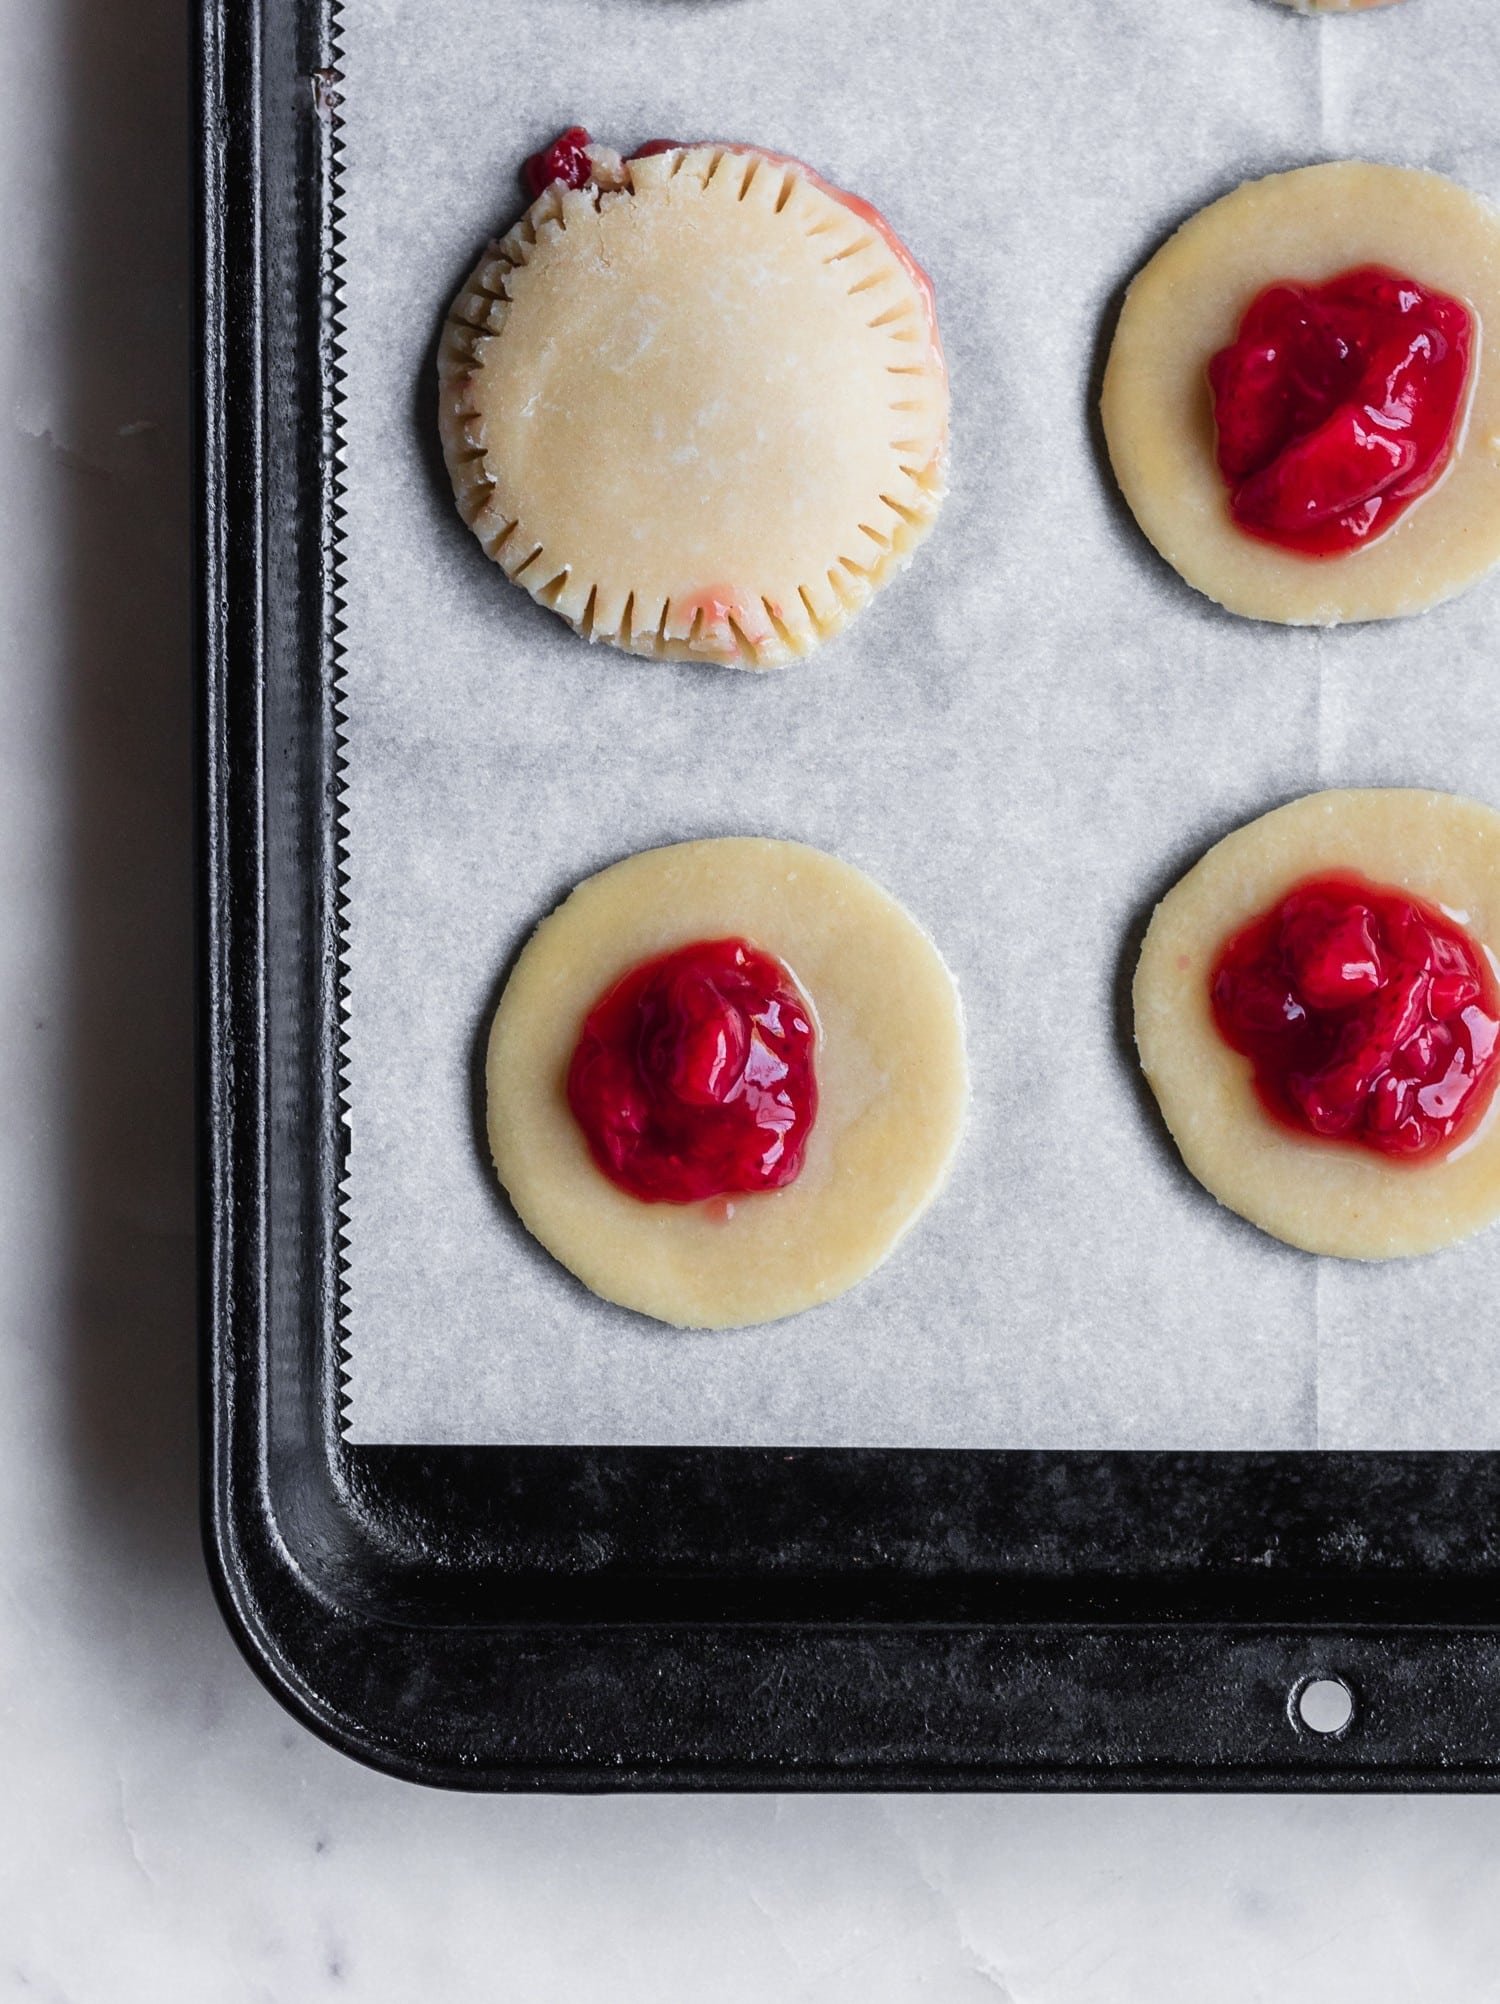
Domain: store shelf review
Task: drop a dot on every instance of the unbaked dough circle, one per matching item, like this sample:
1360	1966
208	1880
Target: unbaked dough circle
892	1082
1325	1196
1336	6
1188	302
703	416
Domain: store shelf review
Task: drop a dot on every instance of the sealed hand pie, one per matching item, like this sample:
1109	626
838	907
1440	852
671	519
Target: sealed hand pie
695	401
1302	401
1317	1009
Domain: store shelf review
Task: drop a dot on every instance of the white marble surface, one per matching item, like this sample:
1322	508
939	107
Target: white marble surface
167	1836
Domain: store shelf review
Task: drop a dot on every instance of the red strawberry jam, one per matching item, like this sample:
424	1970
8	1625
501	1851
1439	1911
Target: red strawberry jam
693	1075
1369	1017
565	160
1338	406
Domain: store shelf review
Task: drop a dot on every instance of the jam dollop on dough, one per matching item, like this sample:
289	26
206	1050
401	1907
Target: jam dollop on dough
1368	372
1338	405
737	1015
1369	1016
1317	1010
693	1076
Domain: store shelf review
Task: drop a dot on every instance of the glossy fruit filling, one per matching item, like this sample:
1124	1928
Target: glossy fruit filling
565	160
1369	1016
1338	406
693	1076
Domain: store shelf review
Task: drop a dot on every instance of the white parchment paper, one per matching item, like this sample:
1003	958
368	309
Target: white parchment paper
1027	738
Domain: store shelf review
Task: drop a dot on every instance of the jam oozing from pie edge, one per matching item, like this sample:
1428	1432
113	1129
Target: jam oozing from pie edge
1368	1016
565	160
1338	405
693	1075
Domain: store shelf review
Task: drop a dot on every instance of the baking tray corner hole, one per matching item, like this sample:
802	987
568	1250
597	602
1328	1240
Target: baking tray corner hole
1322	1704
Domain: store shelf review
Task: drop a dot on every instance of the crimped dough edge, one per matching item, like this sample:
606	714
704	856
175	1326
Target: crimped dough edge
741	628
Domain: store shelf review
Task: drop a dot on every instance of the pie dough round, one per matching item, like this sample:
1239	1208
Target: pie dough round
1336	6
702	415
892	1082
1308	225
1326	1196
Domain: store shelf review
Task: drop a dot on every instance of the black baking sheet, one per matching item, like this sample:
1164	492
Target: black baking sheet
486	1617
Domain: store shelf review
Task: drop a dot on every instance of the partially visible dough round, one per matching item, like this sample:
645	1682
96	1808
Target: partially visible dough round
891	1071
702	416
1308	226
1336	6
1326	1196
